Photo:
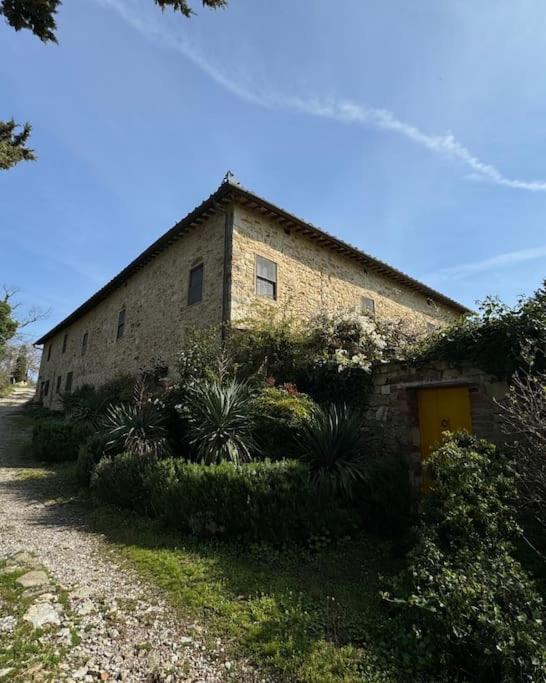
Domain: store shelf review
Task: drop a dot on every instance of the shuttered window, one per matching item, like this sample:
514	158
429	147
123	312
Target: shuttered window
195	290
59	379
121	324
68	383
367	305
266	277
84	343
65	341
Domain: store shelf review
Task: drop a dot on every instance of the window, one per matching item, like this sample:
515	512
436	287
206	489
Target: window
195	291
367	305
58	389
46	387
49	351
68	383
121	324
266	277
84	343
65	341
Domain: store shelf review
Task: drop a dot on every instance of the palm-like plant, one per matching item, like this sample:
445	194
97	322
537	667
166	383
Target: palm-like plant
220	421
136	427
331	442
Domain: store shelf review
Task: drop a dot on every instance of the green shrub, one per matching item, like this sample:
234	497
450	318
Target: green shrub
123	480
220	422
56	440
89	455
499	340
264	501
278	413
331	442
464	603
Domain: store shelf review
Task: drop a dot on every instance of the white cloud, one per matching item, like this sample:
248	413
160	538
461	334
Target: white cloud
492	263
344	111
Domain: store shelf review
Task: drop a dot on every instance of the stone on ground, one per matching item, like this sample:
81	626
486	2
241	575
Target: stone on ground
36	577
42	614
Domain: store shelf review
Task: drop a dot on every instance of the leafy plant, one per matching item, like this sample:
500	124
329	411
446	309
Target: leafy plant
136	427
253	502
463	602
220	422
90	454
331	442
84	404
498	340
54	440
279	412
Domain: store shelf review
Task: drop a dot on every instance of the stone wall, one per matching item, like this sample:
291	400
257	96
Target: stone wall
312	278
157	315
392	419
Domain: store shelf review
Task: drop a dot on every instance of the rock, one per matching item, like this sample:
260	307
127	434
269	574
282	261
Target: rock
7	624
23	558
81	593
42	614
36	577
35	591
185	640
5	672
87	607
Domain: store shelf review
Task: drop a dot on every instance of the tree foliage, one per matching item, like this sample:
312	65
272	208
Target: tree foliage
500	340
13	147
467	607
8	324
39	16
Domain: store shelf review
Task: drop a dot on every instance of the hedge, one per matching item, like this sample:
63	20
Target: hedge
56	440
262	501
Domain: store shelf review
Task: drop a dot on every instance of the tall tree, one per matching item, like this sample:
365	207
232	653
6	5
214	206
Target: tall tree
8	324
13	147
38	16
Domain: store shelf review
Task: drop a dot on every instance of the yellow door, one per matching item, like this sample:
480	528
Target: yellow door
442	409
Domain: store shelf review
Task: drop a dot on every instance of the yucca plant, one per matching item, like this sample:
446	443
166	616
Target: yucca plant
85	405
331	442
136	427
220	420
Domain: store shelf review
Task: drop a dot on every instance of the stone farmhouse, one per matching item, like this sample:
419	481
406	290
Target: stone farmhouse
233	250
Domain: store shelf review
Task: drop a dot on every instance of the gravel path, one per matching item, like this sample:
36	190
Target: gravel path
125	630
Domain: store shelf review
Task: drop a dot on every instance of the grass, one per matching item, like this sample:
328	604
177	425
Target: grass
303	616
22	648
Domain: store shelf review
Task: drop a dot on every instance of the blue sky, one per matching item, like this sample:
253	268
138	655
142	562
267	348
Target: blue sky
416	134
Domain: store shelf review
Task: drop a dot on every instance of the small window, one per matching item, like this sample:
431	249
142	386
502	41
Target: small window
195	291
266	277
46	387
121	324
58	389
84	343
68	383
367	306
65	342
49	351
430	302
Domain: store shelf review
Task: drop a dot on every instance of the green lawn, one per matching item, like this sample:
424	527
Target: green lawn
313	617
